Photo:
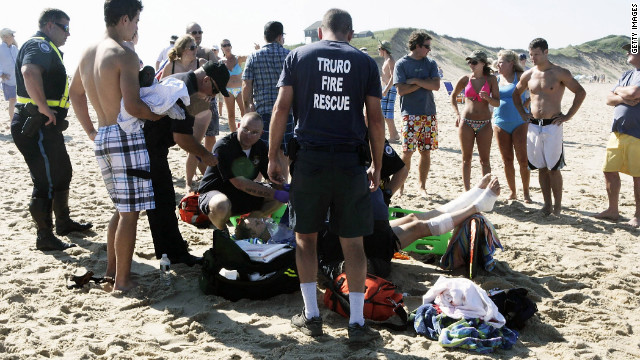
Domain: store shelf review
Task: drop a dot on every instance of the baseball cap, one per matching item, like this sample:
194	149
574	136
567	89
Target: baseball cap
385	45
173	39
219	73
6	31
478	55
273	28
215	47
627	47
523	56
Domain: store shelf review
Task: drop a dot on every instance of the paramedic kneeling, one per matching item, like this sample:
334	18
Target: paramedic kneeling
229	188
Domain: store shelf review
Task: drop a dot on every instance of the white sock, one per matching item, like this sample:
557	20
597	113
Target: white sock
461	201
356	302
310	300
440	224
486	201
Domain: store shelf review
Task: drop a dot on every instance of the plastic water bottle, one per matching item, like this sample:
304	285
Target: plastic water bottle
165	268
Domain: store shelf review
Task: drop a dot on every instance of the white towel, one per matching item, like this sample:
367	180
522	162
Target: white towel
161	98
458	298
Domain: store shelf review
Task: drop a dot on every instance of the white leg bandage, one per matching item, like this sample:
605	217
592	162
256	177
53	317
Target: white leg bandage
486	201
440	224
462	201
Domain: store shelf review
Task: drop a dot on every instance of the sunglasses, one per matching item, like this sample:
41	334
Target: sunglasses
472	62
226	45
199	32
428	47
64	28
192	47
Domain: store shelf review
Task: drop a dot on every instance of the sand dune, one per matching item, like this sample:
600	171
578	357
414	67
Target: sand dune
582	272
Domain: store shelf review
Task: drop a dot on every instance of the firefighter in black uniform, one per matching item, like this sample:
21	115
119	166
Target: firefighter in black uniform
36	128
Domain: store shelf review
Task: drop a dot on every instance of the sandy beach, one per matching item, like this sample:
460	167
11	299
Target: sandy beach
581	272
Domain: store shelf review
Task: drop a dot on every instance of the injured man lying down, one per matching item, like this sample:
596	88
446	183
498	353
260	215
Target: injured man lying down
389	236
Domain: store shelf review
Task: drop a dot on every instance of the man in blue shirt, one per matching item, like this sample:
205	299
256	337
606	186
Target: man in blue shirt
260	79
623	149
328	83
416	77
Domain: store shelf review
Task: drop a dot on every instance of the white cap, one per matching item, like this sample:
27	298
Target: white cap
6	31
215	47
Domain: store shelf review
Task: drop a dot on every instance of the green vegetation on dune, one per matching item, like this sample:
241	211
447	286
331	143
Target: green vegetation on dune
451	51
607	45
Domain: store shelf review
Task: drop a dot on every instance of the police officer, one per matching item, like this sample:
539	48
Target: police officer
36	128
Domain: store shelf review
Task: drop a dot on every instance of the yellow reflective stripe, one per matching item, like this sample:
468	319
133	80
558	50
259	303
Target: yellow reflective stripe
64	100
54	103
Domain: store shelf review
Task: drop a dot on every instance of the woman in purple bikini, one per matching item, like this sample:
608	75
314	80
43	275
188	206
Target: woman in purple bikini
480	90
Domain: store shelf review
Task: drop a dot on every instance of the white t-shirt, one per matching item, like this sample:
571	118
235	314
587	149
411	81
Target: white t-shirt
8	55
164	53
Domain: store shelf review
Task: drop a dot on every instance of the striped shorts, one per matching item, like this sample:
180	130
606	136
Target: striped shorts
125	167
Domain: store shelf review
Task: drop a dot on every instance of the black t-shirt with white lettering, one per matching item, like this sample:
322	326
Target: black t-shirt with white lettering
330	80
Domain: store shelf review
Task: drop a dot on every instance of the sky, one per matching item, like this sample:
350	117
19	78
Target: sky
495	23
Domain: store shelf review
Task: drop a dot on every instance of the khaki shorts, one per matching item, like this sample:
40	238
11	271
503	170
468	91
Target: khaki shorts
623	155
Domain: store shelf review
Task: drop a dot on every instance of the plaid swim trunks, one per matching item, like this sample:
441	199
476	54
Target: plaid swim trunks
125	167
419	132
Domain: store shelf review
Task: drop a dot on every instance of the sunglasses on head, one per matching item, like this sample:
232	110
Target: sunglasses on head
226	45
64	28
199	32
472	62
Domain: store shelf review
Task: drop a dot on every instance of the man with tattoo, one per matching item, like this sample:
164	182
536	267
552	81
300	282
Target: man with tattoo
229	189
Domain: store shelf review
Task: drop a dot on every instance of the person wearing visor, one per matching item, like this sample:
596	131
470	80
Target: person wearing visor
480	90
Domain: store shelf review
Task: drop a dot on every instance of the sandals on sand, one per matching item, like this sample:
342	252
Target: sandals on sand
78	281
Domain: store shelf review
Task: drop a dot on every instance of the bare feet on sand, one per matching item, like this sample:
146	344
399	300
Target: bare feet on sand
635	222
546	210
608	214
527	199
125	285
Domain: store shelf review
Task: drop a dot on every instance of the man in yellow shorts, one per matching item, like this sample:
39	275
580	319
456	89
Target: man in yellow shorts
623	149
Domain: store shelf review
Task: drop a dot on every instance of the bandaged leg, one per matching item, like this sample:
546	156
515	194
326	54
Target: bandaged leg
440	224
486	201
462	201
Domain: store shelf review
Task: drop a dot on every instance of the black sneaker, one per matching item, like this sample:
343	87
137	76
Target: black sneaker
311	327
361	334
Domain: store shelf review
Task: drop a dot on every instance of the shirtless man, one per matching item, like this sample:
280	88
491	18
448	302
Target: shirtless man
108	73
388	90
546	83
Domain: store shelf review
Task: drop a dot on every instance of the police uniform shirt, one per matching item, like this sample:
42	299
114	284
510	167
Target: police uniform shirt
331	80
40	52
233	162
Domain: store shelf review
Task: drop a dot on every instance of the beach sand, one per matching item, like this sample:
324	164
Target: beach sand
581	272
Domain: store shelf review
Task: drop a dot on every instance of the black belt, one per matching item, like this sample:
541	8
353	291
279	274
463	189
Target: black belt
542	122
340	148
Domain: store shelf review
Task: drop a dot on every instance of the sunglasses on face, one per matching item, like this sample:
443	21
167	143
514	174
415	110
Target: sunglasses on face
226	45
199	32
64	28
428	47
192	47
472	62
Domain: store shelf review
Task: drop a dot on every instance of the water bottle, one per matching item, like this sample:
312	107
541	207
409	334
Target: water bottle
165	268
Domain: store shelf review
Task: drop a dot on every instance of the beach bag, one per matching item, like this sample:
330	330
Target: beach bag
381	300
190	211
514	305
279	276
472	246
